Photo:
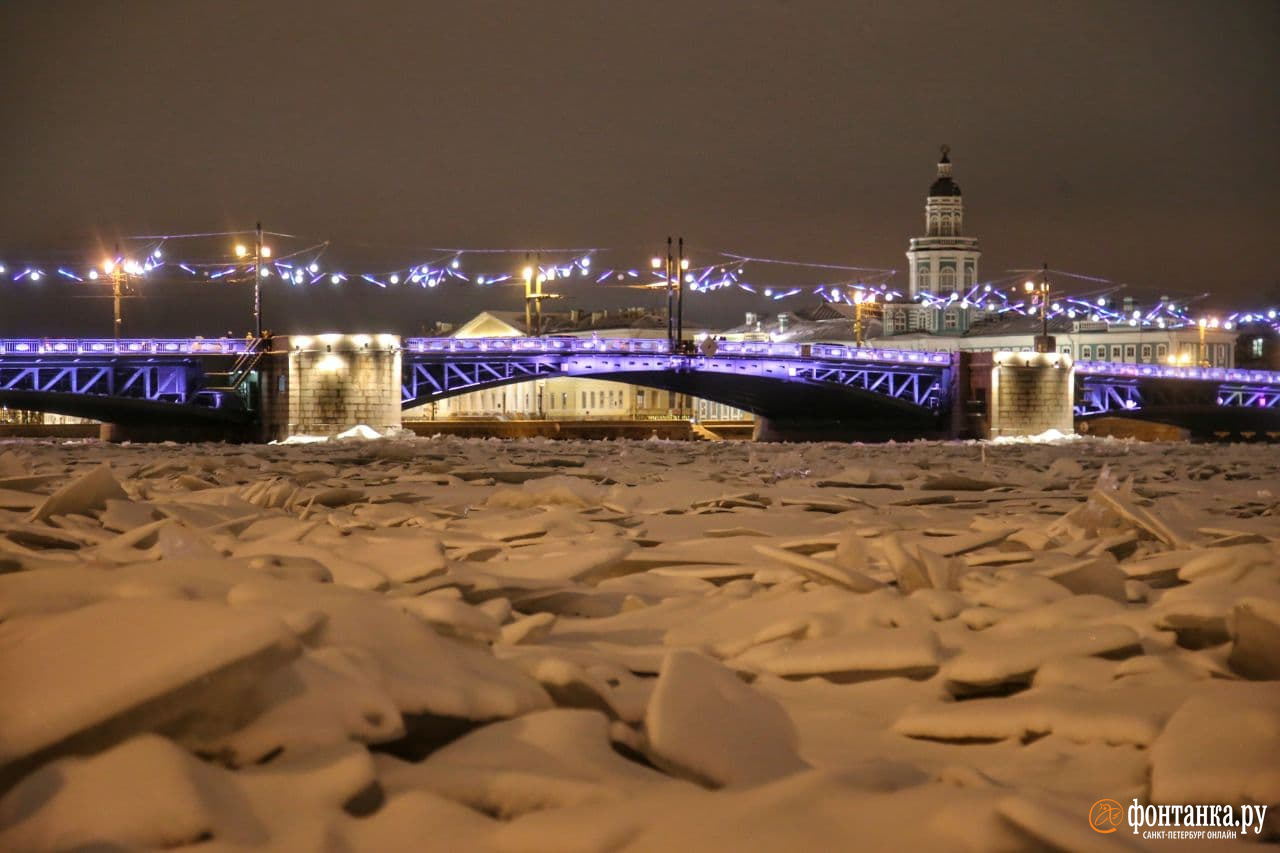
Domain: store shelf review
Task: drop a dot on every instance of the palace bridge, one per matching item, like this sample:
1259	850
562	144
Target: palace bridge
270	387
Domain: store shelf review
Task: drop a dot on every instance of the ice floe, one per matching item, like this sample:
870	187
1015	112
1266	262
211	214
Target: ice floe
380	642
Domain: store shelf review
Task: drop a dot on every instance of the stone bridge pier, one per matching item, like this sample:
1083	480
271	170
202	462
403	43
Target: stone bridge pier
324	384
1017	394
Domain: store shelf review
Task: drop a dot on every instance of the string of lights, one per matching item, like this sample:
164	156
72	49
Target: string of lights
161	256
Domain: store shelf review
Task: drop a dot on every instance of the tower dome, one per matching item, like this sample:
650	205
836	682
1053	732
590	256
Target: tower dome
943	185
944	262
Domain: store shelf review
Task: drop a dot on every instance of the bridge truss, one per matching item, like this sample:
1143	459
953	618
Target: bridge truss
1109	388
434	368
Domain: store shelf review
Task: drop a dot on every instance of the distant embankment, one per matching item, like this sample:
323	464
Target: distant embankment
674	430
49	430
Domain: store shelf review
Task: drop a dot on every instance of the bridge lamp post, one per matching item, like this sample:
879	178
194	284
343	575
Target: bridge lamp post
259	252
120	270
1204	324
862	303
674	271
533	296
1043	343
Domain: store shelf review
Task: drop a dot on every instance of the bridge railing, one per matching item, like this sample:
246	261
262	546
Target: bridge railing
1162	371
124	346
659	346
536	345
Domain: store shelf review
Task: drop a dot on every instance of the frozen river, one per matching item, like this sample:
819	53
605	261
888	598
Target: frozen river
546	646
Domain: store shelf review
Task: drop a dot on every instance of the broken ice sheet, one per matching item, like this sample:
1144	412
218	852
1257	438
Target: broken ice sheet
440	647
87	678
548	759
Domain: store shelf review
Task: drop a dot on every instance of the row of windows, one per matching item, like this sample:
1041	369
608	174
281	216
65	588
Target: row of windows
1123	352
1218	355
946	224
947	278
515	399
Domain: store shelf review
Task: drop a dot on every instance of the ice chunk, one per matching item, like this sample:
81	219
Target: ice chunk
1222	746
93	676
858	656
88	492
549	759
1011	659
705	724
849	579
1254	626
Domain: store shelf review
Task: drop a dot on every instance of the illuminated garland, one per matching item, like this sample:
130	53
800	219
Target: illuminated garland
304	266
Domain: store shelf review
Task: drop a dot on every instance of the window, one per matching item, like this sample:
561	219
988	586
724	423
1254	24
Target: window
1130	352
1115	352
899	321
564	399
947	279
593	399
950	320
1161	351
1146	352
922	277
1086	352
584	399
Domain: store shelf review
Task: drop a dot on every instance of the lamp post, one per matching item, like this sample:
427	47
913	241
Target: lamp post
1043	342
1205	323
676	265
862	303
533	295
259	252
119	269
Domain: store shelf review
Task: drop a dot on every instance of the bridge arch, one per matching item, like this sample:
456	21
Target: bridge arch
772	387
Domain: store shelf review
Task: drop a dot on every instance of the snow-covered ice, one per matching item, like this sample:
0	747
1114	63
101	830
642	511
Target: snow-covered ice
376	643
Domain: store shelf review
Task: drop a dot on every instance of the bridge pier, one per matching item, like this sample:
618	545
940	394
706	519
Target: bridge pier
328	383
1021	393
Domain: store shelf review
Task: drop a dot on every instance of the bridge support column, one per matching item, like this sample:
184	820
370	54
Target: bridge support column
1030	393
325	384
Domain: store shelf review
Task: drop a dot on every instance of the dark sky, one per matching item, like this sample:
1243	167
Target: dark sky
1130	140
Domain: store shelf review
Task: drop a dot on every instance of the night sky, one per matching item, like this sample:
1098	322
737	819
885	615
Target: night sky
1135	141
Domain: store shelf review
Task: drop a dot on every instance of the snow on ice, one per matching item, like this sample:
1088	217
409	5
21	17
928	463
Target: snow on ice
391	643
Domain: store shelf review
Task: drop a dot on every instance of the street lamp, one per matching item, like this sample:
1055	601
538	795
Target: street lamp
259	252
1205	323
533	295
862	303
1043	342
675	269
120	271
